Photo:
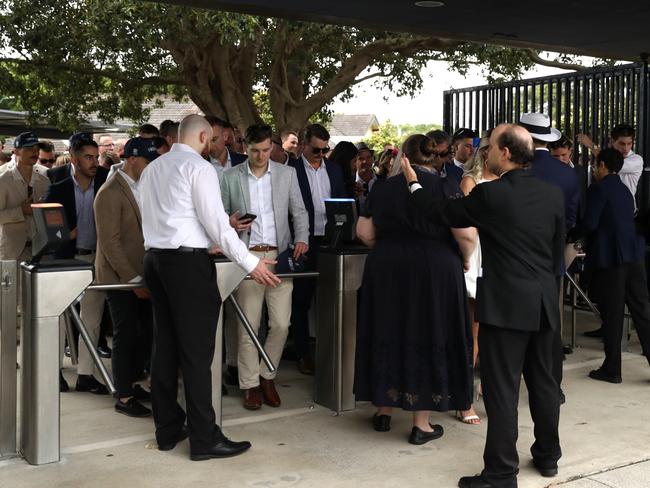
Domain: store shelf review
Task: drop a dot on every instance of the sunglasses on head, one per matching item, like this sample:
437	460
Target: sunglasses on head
323	150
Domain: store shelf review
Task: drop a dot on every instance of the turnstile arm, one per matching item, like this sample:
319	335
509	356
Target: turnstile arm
83	332
251	333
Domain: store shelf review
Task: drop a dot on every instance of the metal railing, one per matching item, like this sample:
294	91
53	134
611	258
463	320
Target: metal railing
589	102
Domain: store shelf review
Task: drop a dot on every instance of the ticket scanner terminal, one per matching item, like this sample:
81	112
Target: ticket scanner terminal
50	285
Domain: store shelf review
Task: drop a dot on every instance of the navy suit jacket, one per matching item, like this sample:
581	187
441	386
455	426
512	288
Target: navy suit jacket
236	158
609	226
336	182
454	172
555	172
63	192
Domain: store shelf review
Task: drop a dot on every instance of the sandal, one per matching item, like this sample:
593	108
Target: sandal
471	419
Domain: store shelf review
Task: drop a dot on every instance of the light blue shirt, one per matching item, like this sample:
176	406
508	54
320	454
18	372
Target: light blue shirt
86	232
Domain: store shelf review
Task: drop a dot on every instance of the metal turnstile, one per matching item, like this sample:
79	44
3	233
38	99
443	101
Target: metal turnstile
8	350
48	289
341	272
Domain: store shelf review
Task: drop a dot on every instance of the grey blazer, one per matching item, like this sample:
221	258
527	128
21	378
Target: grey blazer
287	201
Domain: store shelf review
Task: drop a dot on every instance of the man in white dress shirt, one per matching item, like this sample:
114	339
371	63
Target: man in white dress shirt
270	191
621	139
182	217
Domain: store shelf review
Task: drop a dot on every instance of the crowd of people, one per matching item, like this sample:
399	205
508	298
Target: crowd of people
464	229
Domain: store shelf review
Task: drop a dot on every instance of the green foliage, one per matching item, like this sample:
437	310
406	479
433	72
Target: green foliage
67	60
388	133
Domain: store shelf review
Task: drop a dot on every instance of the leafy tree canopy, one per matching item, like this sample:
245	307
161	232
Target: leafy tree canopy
66	60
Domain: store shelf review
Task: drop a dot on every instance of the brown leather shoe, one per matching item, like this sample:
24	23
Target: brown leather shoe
253	398
269	393
306	366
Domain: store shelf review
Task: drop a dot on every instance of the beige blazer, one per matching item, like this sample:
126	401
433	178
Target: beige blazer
120	243
17	229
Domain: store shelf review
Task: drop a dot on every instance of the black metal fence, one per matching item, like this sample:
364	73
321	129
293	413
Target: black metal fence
589	102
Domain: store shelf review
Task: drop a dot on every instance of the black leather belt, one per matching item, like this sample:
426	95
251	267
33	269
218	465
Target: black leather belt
182	249
85	252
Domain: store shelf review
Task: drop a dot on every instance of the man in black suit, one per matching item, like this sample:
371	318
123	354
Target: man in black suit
318	180
521	224
220	156
615	253
77	194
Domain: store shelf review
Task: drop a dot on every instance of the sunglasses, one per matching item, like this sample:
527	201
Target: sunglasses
47	161
317	150
442	155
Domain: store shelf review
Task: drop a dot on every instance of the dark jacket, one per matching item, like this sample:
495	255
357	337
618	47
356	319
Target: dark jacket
454	172
236	158
555	172
336	182
63	193
521	224
608	225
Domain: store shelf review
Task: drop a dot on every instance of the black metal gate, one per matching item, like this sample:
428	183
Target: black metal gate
589	102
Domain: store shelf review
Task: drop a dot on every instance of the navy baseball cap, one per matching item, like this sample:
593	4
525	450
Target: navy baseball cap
141	147
26	139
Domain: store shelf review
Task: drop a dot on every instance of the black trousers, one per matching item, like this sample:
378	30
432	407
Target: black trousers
132	324
186	303
617	287
302	295
505	355
558	344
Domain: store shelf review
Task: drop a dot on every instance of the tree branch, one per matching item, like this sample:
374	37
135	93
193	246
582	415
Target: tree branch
536	58
84	70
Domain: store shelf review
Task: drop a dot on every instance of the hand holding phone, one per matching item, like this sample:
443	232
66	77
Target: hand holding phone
247	216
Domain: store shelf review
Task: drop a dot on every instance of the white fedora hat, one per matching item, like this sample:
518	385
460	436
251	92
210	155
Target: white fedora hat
539	126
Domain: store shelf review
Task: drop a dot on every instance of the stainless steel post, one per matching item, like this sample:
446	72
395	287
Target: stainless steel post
251	333
46	294
339	282
8	383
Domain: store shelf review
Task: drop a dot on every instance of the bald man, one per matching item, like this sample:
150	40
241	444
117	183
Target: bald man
182	217
520	220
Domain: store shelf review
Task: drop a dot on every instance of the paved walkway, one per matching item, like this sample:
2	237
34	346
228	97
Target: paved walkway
605	433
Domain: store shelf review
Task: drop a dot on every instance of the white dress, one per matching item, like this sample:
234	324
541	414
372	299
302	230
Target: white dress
475	261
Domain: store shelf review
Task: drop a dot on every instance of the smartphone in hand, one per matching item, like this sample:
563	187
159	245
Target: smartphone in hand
247	216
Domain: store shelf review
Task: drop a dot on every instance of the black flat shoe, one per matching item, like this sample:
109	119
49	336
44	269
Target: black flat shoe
132	408
600	375
381	423
181	436
90	384
223	449
419	437
473	482
546	472
231	376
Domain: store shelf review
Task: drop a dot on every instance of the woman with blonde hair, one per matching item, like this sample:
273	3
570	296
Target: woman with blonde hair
476	172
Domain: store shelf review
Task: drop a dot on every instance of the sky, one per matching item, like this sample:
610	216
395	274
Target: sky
426	105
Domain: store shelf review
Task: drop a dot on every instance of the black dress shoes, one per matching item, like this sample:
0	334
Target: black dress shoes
90	384
132	408
473	482
419	437
223	449
104	352
546	472
168	446
601	375
381	423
